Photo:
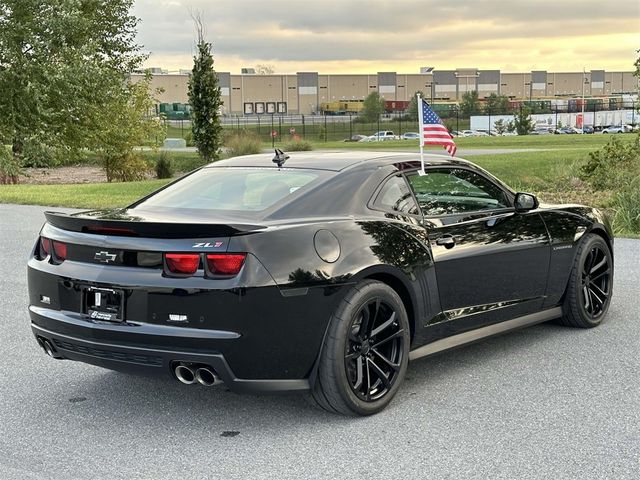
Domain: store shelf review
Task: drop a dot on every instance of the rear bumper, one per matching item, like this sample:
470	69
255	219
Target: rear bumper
90	344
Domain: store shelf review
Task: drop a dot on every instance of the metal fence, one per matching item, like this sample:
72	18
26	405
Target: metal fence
282	128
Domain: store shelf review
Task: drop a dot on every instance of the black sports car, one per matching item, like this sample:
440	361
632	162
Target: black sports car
326	273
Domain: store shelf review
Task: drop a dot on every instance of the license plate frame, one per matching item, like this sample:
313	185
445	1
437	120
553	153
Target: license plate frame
104	304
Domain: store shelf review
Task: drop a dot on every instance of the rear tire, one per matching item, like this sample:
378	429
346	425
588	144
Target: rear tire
365	353
590	285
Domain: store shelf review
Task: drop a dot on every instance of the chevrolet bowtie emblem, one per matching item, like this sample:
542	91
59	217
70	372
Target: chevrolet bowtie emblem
104	257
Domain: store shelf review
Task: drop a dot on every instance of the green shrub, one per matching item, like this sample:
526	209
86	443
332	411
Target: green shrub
616	168
188	137
297	146
322	134
164	165
613	166
9	168
129	167
627	210
37	155
243	143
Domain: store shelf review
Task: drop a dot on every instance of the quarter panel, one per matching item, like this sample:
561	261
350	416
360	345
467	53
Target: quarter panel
368	246
566	226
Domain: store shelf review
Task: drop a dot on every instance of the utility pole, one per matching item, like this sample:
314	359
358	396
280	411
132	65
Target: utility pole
584	80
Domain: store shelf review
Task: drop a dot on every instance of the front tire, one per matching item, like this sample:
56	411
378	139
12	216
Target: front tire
590	284
365	353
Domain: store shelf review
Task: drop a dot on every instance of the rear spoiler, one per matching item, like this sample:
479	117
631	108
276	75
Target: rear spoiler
141	228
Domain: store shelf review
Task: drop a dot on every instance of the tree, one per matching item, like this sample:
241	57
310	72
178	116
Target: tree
373	107
128	122
61	62
497	104
205	99
412	110
470	103
264	69
500	127
523	122
637	75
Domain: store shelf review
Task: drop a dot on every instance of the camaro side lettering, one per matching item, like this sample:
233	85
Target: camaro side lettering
562	247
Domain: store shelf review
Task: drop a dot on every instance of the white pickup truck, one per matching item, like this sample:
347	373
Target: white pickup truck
381	136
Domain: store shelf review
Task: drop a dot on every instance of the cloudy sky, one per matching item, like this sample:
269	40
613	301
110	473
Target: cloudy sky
340	36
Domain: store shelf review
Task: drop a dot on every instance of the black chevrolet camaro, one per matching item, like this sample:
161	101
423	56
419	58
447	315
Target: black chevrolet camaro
327	273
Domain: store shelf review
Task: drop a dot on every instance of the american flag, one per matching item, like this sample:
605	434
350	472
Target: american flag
433	131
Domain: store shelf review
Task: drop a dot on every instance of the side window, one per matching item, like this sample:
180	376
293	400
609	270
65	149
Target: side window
396	196
453	191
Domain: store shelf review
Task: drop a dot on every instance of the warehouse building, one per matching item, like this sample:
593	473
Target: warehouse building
306	92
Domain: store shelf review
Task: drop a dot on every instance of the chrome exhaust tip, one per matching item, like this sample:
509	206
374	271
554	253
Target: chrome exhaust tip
206	377
185	374
48	348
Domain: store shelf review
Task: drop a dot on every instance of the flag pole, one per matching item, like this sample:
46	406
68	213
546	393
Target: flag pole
421	130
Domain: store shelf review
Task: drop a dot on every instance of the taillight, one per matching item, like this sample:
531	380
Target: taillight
59	250
45	248
182	263
217	264
225	263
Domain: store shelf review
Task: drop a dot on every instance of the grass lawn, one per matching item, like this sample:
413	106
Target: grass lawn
573	142
89	195
547	171
543	171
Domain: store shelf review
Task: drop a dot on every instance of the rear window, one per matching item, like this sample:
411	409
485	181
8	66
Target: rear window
232	189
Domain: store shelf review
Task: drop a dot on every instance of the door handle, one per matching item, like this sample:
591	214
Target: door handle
447	241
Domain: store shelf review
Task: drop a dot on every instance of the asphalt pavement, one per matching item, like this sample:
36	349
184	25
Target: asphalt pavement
544	402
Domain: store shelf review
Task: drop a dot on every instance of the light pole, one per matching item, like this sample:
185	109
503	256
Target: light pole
584	80
530	85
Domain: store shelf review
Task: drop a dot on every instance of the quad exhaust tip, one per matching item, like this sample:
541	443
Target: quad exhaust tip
206	377
202	374
48	348
185	374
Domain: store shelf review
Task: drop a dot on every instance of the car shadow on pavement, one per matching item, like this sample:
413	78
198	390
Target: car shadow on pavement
123	400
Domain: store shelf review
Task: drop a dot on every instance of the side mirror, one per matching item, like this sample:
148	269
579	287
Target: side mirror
525	202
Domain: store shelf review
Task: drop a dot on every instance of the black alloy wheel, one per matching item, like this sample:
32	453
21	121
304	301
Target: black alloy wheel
365	352
374	350
596	282
590	285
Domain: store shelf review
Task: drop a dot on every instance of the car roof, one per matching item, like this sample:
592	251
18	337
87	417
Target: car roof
337	160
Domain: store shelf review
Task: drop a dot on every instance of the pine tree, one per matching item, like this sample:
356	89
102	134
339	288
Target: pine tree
205	100
523	122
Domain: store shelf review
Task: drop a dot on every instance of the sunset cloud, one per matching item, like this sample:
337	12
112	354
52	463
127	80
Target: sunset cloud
333	36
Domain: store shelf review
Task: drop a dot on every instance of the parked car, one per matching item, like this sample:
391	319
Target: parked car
410	136
383	136
355	138
541	131
484	132
587	129
618	129
466	133
566	131
328	276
